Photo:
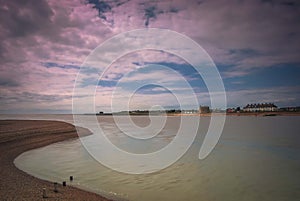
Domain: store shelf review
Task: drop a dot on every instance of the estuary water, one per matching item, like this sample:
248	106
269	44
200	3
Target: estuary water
256	158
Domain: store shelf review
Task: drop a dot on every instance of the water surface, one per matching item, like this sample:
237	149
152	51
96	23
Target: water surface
257	158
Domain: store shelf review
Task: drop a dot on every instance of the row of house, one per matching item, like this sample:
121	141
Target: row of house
256	107
260	107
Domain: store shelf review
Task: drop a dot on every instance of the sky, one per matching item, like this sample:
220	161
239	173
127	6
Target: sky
254	45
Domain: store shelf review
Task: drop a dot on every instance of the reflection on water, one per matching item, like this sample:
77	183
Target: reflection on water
257	158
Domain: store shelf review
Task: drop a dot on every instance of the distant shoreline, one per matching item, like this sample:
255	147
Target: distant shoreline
261	114
264	114
18	136
275	113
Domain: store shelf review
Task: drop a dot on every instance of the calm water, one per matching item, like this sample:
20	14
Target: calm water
257	158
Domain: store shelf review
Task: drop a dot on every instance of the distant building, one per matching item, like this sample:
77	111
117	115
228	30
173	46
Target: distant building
204	109
189	111
290	109
260	107
230	110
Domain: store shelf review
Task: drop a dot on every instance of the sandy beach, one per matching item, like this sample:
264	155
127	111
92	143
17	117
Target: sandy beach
17	137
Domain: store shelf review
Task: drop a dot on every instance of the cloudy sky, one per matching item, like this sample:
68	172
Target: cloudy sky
254	45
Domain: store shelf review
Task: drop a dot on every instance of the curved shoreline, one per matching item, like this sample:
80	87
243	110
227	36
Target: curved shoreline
18	136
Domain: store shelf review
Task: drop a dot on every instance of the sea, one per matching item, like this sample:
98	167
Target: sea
256	158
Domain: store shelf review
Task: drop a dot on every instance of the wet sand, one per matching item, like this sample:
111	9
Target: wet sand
17	137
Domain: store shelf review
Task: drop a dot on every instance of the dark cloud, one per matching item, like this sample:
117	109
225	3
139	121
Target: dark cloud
36	97
150	13
174	10
29	97
281	2
19	20
240	54
288	3
63	66
102	7
24	18
120	3
105	8
27	26
8	82
153	89
150	10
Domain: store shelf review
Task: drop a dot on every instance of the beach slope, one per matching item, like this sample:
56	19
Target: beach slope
18	136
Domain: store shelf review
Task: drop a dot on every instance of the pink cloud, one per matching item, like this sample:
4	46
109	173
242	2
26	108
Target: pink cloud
65	32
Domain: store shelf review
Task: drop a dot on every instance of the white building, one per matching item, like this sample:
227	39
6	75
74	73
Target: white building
260	107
